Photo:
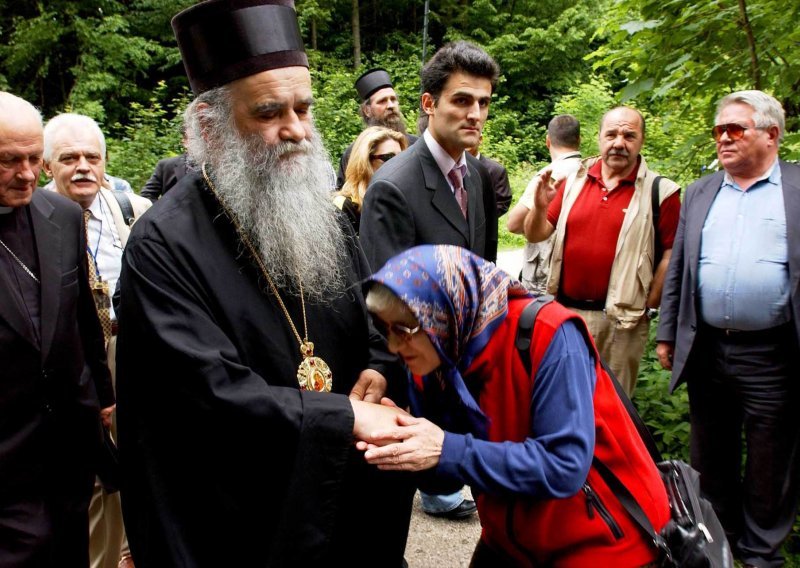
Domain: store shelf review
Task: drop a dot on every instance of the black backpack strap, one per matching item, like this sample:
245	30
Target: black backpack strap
523	344
632	506
525	328
641	427
656	207
125	205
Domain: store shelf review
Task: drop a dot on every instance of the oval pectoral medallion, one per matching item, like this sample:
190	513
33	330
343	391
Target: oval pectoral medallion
313	373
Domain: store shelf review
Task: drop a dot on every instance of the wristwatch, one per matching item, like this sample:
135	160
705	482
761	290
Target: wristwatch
650	313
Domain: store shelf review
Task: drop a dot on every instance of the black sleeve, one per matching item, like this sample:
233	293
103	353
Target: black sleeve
502	190
154	187
340	175
387	225
671	291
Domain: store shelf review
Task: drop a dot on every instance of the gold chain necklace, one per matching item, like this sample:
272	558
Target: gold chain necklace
313	373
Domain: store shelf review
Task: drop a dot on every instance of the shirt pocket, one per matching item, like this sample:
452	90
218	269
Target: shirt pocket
774	248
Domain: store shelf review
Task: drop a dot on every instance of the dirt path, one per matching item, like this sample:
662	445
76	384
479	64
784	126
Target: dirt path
440	543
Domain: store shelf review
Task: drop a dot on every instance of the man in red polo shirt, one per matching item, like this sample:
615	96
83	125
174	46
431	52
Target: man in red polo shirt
608	260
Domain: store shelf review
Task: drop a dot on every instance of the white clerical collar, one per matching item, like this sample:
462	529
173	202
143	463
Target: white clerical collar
443	159
5	210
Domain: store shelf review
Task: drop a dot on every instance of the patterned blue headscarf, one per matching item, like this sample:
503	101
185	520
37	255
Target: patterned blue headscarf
459	300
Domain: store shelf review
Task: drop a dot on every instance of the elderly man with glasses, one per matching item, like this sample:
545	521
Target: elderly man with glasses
730	322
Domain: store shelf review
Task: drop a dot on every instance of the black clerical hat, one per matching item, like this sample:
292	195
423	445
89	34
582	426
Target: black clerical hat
371	81
224	40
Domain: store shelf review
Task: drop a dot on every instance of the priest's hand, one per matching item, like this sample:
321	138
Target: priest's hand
417	445
370	386
371	418
106	415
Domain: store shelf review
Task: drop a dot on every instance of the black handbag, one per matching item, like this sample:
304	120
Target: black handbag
693	537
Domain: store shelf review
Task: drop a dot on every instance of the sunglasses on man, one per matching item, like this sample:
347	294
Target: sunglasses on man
735	131
382	157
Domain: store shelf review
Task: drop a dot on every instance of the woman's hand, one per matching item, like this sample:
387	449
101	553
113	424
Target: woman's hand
417	446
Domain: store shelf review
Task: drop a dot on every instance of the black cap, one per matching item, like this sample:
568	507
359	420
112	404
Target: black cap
224	40
371	81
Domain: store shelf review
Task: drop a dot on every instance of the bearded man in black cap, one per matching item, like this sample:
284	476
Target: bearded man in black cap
242	285
379	107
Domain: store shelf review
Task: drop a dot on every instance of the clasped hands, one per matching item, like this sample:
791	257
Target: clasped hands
390	437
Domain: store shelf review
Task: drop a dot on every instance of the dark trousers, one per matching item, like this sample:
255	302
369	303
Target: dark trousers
749	382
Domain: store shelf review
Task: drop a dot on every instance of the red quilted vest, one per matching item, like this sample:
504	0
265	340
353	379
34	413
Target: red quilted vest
590	528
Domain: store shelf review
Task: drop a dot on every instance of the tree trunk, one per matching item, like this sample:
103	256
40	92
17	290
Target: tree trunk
751	42
314	33
356	36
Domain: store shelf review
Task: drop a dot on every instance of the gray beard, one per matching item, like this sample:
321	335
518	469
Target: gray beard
280	198
396	123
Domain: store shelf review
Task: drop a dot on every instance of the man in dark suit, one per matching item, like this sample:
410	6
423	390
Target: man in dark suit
498	177
52	350
431	194
167	173
730	321
418	198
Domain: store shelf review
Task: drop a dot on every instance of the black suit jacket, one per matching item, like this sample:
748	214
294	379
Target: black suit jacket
167	173
49	390
409	203
500	185
679	305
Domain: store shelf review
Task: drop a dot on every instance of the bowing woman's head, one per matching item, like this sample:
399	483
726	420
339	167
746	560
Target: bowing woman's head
438	305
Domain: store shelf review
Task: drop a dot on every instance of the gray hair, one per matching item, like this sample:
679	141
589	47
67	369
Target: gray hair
13	103
381	298
767	110
70	120
217	115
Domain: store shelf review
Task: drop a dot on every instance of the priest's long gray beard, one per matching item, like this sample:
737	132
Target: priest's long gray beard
280	196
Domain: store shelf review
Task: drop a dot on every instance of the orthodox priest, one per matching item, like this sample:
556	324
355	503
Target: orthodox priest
240	309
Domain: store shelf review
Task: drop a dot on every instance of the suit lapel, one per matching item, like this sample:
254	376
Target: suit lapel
442	198
48	246
700	207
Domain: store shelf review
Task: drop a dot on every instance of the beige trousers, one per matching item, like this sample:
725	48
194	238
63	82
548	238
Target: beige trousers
622	349
107	541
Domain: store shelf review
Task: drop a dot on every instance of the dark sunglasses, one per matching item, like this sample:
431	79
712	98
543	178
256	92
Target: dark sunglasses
402	332
735	131
382	157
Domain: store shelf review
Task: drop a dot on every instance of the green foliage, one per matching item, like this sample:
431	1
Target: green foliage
677	58
666	415
153	133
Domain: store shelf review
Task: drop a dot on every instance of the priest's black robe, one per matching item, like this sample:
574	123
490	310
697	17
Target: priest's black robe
226	461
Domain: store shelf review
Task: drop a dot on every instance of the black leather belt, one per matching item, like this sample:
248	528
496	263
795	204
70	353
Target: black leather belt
592	305
756	336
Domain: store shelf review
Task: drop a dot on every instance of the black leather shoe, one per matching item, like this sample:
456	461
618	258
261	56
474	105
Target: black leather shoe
464	510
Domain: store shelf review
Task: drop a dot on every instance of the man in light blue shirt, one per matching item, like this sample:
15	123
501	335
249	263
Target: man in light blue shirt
730	317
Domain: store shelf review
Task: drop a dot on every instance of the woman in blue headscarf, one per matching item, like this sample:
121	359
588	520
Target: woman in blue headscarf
522	435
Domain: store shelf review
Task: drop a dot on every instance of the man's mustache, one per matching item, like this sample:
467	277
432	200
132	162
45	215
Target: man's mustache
84	177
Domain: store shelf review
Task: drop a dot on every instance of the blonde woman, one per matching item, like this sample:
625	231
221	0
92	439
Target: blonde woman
374	147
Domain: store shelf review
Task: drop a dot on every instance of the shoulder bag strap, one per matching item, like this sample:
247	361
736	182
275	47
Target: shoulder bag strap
525	328
125	206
